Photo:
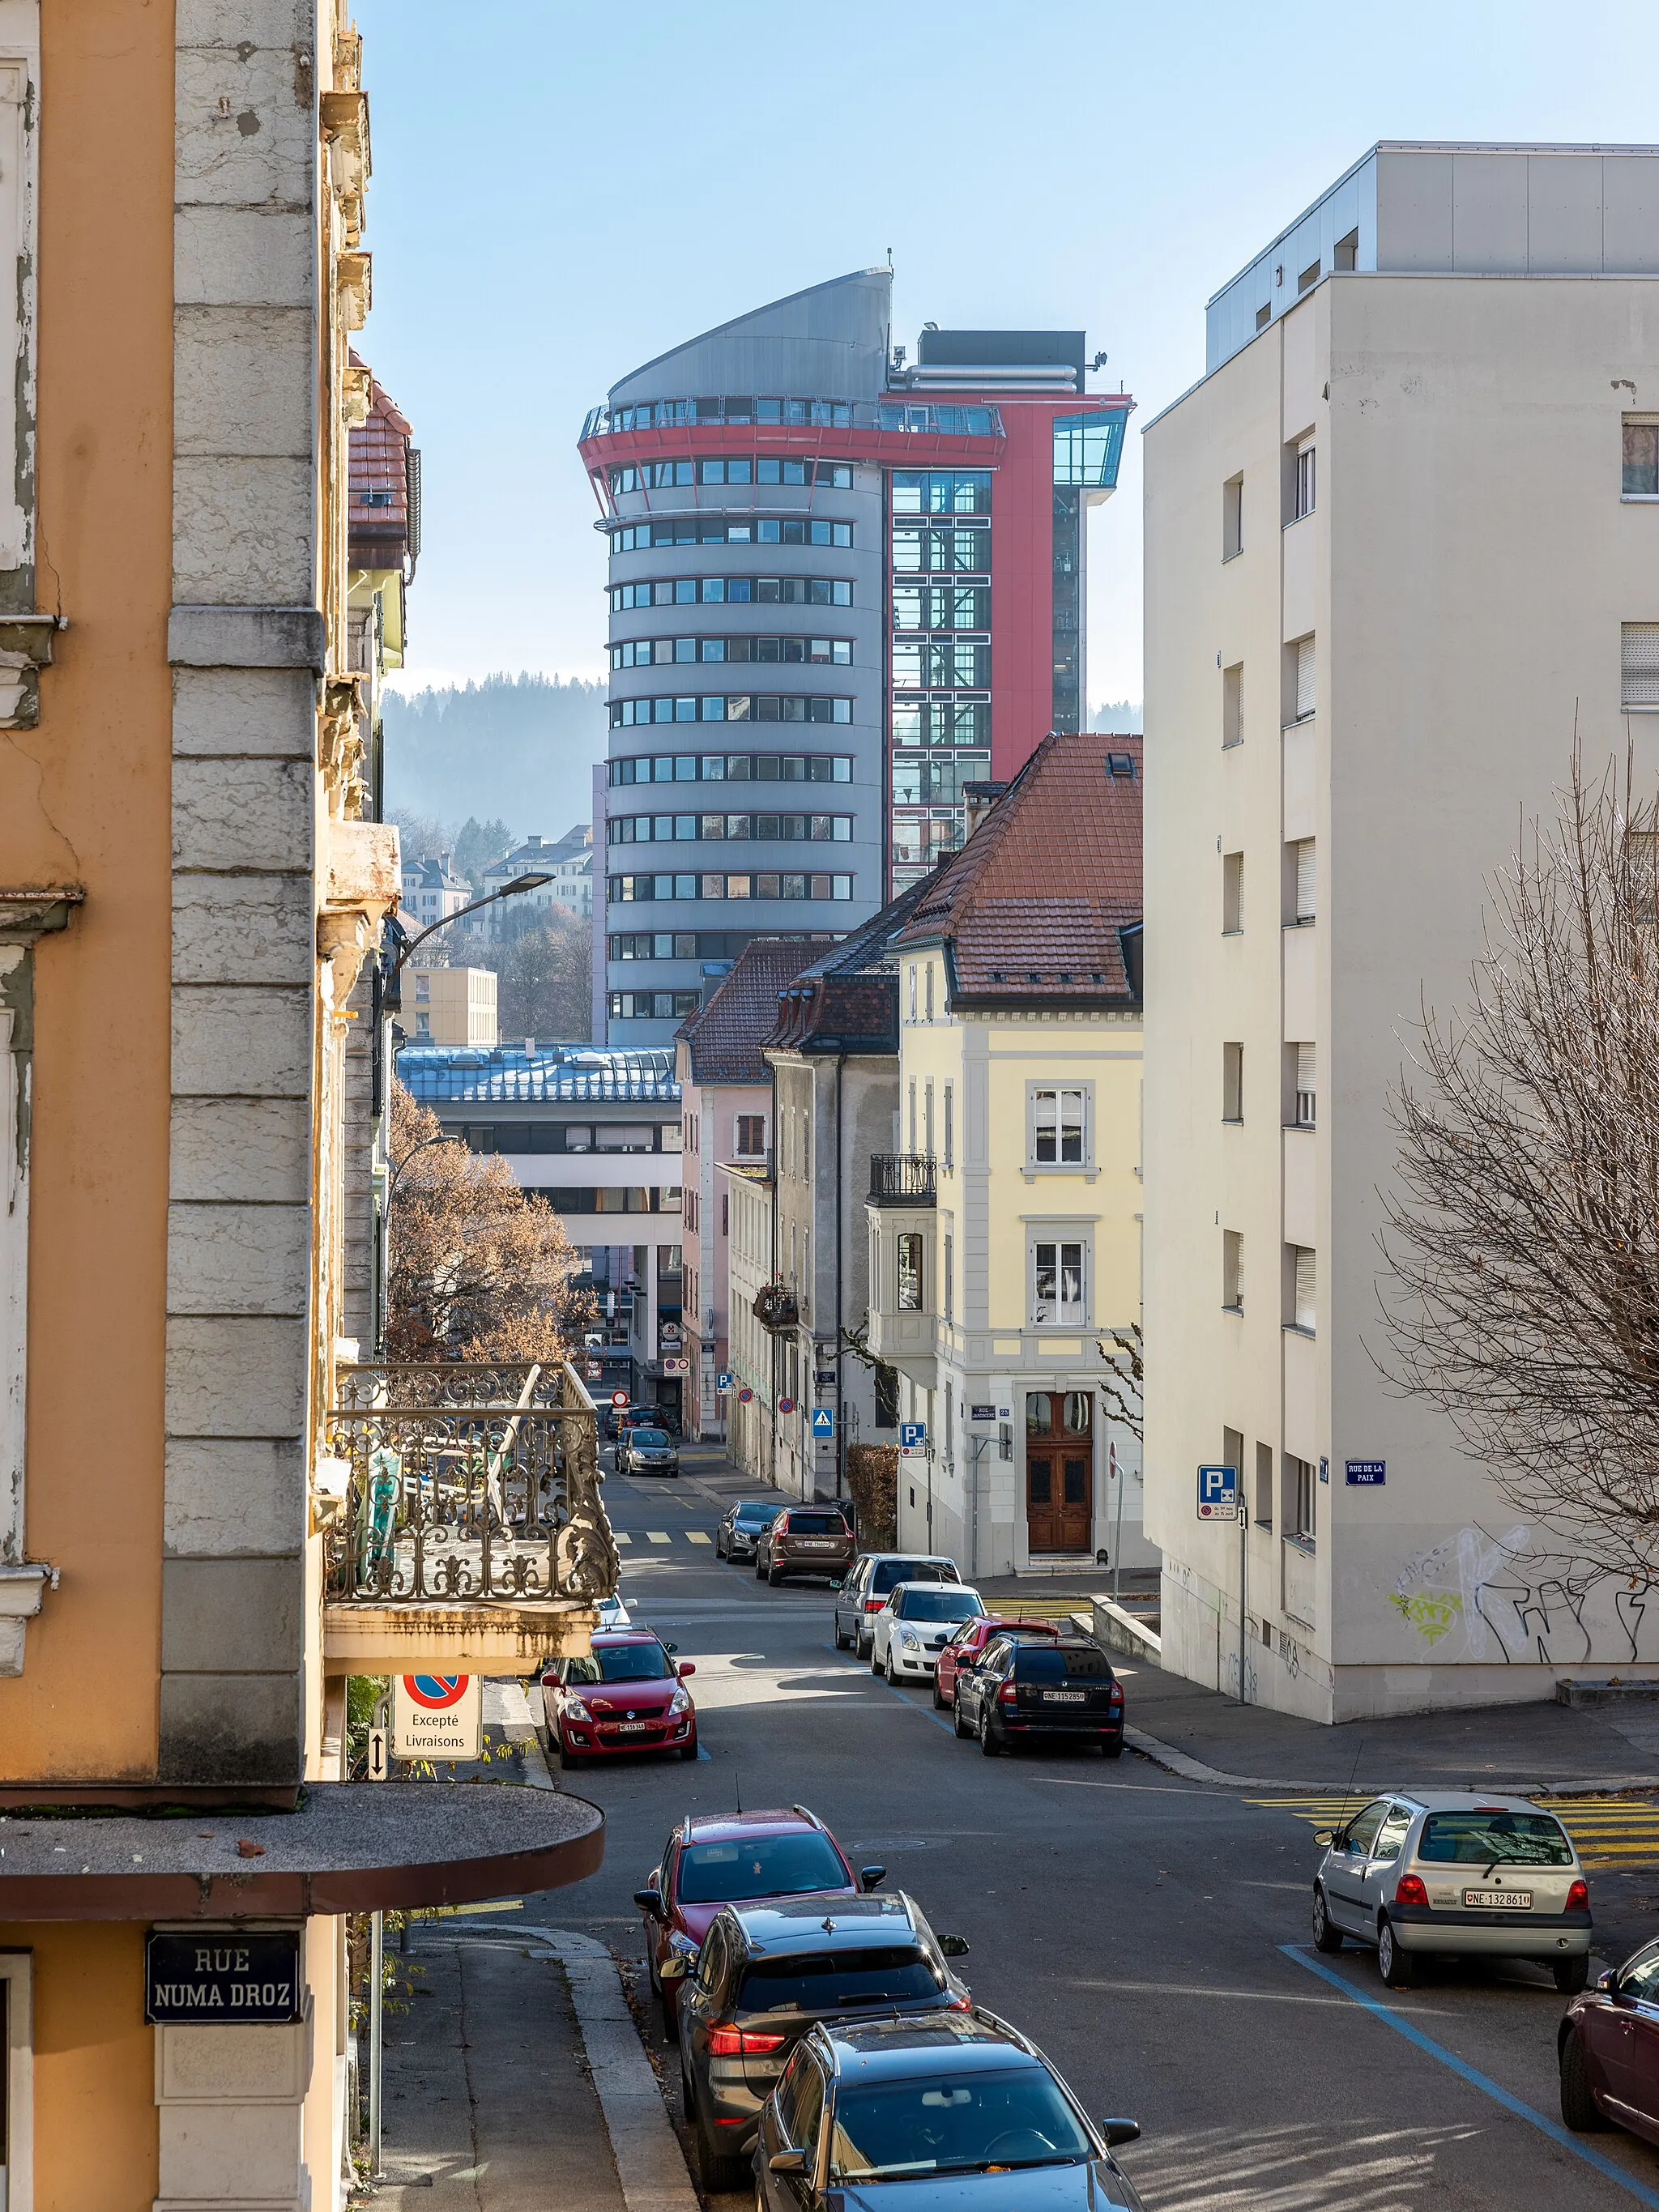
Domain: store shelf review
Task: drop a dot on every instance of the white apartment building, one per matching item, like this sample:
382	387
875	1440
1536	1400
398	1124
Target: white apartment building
1402	534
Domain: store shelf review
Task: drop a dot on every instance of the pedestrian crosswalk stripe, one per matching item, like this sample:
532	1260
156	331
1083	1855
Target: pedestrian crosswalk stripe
1605	1831
696	1536
621	1535
659	1536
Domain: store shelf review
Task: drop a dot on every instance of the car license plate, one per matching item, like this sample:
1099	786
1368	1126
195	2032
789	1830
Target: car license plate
630	1728
1486	1899
817	1543
1064	1697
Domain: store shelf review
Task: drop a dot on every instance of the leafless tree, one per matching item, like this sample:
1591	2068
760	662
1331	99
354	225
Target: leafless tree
1123	1384
1521	1294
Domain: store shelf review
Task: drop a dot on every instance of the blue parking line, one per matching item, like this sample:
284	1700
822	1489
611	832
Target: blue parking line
893	1689
1552	2128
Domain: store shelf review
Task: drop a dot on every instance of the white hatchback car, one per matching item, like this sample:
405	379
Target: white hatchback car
916	1623
1447	1874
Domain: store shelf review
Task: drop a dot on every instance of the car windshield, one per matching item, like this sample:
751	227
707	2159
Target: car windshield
754	1517
633	1663
821	1982
651	1440
817	1524
953	2124
1046	1662
1494	1838
886	1572
941	1604
759	1866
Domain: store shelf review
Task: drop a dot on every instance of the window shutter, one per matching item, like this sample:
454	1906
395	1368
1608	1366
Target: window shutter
1305	696
1304	1067
1639	664
1306	885
1304	1286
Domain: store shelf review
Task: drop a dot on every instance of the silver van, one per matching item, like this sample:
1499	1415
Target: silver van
1448	1875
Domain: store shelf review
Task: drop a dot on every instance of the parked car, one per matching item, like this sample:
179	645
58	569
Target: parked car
864	1591
714	1859
613	1613
740	1530
1443	1874
907	1634
642	1450
963	1648
956	2107
629	1694
766	1973
804	1540
1021	1691
1608	2048
617	1418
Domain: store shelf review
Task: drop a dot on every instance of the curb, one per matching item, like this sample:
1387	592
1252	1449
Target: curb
1195	1770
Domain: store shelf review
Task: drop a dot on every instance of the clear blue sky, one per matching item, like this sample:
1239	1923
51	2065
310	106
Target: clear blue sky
563	192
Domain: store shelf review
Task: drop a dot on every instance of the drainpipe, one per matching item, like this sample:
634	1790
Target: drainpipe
840	1202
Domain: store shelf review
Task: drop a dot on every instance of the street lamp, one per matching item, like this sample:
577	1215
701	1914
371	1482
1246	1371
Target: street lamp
531	883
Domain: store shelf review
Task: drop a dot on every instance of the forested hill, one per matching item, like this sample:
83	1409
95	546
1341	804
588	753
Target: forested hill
522	747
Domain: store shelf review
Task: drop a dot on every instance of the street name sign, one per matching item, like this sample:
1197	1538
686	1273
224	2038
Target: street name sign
981	1413
220	1978
1366	1473
823	1423
1218	1494
437	1716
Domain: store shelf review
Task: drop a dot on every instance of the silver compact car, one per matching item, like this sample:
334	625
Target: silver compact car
640	1451
1443	1874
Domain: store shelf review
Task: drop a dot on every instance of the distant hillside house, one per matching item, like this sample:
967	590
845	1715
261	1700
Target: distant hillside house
568	860
432	892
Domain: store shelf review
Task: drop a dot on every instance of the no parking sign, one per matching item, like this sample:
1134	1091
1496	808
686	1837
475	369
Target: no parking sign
437	1716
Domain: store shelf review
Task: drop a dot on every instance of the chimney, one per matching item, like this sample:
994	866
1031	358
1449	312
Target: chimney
980	799
529	1048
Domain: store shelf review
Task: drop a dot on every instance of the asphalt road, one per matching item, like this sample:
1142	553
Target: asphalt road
1151	1933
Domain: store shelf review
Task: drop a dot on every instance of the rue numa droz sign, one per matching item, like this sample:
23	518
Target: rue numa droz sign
222	1979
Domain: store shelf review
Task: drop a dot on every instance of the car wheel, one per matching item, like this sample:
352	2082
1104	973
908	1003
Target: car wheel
841	1641
760	1571
889	1670
773	1577
875	1663
720	1549
939	1702
716	2170
988	1742
671	2016
957	1722
1570	1975
1578	2107
1327	1936
1393	1962
1112	1746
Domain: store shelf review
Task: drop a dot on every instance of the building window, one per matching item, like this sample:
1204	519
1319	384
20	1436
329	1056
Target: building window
17	2087
907	1249
950	1276
950	1127
764	829
1300	1285
731	592
1301	483
1307	279
1304	880
1299	1496
1347	252
1305	1090
887	1396
1638	684
1232	704
1232	894
1264	314
1262	1502
732	767
1232	517
752	1135
1058	1291
1301	691
1641	477
1058	1127
1233	1452
1232	1271
726	1213
1232	1083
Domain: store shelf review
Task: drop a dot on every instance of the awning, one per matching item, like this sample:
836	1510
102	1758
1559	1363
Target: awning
348	1847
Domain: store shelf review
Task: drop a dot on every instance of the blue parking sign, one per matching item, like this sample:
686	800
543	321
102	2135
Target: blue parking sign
912	1433
722	1382
1218	1494
823	1422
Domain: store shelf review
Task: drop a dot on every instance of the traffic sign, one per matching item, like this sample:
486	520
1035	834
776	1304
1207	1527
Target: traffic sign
619	1397
912	1433
1218	1494
672	1366
437	1716
786	1405
723	1383
594	1370
823	1423
379	1754
744	1394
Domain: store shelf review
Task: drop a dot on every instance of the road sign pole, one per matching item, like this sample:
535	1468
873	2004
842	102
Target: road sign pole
1117	1541
376	2013
1243	1552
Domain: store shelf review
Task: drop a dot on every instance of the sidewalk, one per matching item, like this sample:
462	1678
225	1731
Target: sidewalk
1526	1748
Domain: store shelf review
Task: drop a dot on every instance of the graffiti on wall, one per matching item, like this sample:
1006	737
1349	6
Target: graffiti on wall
1476	1597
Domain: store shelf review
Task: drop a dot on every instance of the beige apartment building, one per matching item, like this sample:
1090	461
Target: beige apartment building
451	1005
1403	533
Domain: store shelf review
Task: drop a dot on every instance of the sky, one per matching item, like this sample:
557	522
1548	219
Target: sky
561	193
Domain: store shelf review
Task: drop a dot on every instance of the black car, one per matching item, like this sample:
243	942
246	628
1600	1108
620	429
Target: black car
765	1972
739	1531
617	1418
1029	1692
950	2111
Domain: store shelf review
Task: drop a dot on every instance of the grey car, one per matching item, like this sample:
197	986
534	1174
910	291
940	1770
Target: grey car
739	1531
646	1451
1445	1873
864	1588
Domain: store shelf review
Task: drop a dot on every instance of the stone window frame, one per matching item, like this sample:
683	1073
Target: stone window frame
1084	1166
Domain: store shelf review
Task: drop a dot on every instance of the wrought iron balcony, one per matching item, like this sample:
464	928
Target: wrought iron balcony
776	1307
473	1492
903	1179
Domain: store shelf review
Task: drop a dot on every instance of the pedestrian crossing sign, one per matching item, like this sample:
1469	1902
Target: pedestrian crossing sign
823	1422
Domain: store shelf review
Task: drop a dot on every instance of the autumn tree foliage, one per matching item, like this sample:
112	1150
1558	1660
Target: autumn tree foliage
479	1269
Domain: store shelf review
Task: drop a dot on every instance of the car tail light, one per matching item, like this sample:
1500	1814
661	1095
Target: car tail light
1007	1694
874	1604
1409	1890
1578	1897
725	2041
1116	1697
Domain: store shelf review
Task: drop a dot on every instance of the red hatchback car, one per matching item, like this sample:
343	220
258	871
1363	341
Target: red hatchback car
628	1695
714	1859
965	1646
1608	2046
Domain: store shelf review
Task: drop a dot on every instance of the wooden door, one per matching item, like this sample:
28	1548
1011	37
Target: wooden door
1077	1502
1042	1485
1058	1471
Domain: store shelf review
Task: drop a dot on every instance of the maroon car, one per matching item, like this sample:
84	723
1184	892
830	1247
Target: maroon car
733	1859
1608	2046
627	1695
969	1640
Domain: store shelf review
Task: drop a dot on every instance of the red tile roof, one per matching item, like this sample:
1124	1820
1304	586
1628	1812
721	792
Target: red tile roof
726	1036
378	512
1038	904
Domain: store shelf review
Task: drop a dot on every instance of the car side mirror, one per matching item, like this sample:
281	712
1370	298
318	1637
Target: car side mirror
671	1647
650	1900
1118	2132
1606	1981
872	1877
787	2161
676	1965
686	1667
954	1947
1324	1838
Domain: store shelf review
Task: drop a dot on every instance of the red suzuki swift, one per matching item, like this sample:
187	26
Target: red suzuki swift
628	1695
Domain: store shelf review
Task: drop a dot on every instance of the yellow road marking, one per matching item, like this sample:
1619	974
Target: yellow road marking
697	1536
1605	1831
